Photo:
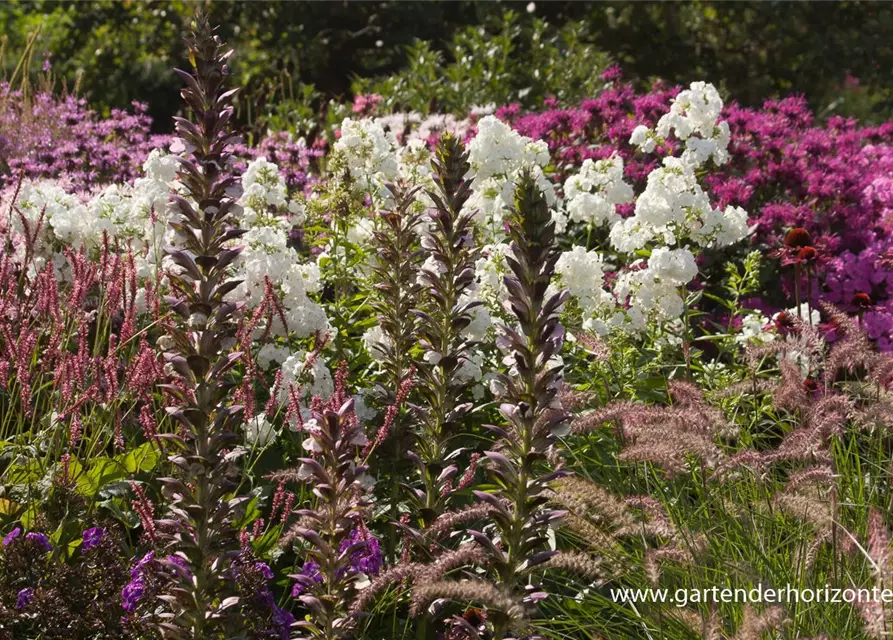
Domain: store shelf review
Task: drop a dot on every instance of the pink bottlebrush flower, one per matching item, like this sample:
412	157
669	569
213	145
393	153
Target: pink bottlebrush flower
278	497
258	528
119	434
145	371
391	412
293	412
468	477
148	423
244	541
272	404
145	509
75	430
286	512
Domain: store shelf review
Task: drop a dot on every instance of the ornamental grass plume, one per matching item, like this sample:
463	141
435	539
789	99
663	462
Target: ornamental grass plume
876	614
198	529
853	352
445	561
598	516
668	436
446	279
473	590
420	575
811	496
755	625
604	522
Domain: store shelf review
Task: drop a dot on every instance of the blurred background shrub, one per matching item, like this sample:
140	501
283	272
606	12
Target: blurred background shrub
295	57
510	59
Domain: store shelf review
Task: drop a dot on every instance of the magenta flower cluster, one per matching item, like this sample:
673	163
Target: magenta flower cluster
787	169
42	136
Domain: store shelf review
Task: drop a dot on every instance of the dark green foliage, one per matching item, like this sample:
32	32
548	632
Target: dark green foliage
756	50
514	57
120	51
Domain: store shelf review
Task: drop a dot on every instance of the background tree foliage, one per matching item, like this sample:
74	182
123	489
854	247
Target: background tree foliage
450	55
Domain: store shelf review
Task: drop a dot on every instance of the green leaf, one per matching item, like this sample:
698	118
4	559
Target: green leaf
129	518
101	472
143	458
29	518
25	473
267	541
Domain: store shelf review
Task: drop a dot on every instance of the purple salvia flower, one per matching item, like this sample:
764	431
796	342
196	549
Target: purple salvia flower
264	569
137	570
283	621
133	590
12	535
40	540
131	593
93	537
308	574
181	564
366	559
25	596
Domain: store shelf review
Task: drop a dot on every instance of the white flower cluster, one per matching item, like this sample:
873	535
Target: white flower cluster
497	155
754	328
656	290
674	209
259	431
489	269
481	321
414	164
592	195
43	205
805	313
266	255
694	118
582	275
127	215
262	188
674	220
370	154
375	340
308	375
412	126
